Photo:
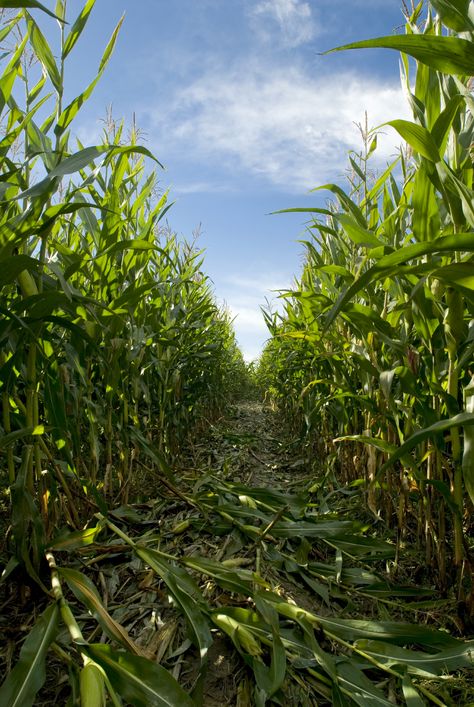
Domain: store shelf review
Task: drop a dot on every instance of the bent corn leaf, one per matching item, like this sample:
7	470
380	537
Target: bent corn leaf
418	663
28	3
83	589
185	592
138	681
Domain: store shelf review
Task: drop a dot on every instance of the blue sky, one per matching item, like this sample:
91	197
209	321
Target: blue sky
236	101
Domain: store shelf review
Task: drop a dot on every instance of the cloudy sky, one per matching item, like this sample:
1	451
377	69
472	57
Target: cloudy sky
247	116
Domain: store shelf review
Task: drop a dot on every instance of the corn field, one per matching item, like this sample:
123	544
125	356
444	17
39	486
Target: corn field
116	360
373	356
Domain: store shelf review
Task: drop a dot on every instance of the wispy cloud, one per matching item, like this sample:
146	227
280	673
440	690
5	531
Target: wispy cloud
201	187
293	20
292	129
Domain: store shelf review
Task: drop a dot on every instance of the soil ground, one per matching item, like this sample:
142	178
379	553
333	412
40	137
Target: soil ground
248	449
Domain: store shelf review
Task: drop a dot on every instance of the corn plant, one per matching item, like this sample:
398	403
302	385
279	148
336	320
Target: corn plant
112	346
375	347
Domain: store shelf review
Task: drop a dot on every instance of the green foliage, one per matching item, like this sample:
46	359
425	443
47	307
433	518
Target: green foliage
112	347
371	355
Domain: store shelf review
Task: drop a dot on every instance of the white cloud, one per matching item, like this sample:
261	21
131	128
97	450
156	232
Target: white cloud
249	327
201	187
292	18
291	128
244	296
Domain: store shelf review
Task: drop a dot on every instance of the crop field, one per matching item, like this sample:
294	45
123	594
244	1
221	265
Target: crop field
180	527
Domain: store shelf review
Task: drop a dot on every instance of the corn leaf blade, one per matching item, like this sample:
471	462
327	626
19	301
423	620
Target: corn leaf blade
29	673
28	3
449	55
137	680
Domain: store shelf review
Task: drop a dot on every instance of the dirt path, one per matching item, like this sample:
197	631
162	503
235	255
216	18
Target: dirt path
238	529
252	448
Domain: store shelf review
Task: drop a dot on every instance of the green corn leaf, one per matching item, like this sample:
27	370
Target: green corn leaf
388	263
14	63
70	112
338	699
463	419
11	136
69	165
78	27
417	137
28	3
355	629
460	190
450	55
226	578
320	529
269	680
156	456
78	161
29	673
44	188
357	234
427	665
6	86
8	28
60	8
76	539
396	633
84	590
346	202
369	548
137	680
386	591
468	451
459	275
268	498
11	437
135	244
454	14
13	265
36	90
44	53
444	122
185	592
380	444
360	689
133	149
304	210
110	46
425	219
411	695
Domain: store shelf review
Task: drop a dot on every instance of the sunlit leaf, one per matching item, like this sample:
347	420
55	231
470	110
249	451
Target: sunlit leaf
450	55
28	3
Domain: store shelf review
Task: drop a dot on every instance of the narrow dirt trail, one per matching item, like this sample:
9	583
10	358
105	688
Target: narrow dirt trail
251	447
